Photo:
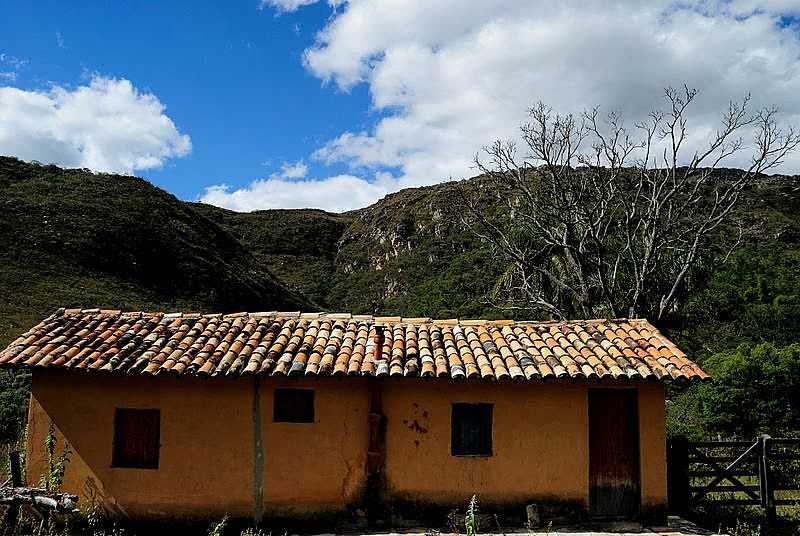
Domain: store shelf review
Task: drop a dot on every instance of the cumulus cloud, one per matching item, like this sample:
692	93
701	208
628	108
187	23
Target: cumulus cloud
107	125
12	61
298	170
335	194
9	67
448	77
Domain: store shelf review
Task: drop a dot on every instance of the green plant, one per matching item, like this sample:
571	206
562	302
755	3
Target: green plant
218	528
53	476
743	528
470	523
253	531
756	390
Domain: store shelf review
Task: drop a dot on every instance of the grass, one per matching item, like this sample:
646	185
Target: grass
748	520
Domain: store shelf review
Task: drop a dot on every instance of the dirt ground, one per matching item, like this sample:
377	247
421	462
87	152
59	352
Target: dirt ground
676	527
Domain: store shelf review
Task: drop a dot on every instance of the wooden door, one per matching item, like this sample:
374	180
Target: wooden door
614	453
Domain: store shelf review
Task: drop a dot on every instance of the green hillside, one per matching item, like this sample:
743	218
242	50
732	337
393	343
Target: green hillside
72	237
75	238
300	246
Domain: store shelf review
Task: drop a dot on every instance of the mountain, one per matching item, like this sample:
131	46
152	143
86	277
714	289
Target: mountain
70	237
300	246
410	254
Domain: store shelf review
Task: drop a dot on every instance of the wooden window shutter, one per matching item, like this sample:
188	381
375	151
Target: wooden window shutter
471	430
137	436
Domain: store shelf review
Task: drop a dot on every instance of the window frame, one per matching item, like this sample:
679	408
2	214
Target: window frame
118	460
285	414
486	449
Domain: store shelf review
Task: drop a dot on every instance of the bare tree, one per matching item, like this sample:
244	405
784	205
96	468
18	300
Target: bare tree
603	221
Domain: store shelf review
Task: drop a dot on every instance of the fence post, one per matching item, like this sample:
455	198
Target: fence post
678	475
16	481
764	480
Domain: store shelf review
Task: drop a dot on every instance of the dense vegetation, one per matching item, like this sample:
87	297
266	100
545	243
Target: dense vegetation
71	238
74	238
300	245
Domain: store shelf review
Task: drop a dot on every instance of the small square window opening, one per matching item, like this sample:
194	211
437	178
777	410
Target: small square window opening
293	405
471	430
136	438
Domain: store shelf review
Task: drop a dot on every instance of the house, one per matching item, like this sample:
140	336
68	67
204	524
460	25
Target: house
290	415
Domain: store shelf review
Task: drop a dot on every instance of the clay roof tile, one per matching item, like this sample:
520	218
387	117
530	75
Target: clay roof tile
325	344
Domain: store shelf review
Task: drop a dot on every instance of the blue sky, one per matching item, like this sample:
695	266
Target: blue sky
333	104
230	75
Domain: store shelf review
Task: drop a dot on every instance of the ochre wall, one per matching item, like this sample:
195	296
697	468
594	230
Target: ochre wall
205	464
540	444
653	448
319	466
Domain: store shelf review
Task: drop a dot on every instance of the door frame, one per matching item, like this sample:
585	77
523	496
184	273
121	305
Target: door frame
638	453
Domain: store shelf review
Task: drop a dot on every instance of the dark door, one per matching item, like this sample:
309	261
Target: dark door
614	453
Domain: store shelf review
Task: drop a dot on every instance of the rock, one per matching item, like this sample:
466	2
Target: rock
532	514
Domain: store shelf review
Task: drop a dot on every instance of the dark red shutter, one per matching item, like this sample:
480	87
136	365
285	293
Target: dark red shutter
136	438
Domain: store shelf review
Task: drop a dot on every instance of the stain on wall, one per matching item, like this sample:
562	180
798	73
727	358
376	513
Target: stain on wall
418	422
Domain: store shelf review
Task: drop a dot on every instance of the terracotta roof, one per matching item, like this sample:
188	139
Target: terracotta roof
320	344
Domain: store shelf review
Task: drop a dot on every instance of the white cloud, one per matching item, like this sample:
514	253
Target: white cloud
451	76
448	77
298	170
60	40
335	194
285	6
748	7
289	188
107	125
9	67
12	62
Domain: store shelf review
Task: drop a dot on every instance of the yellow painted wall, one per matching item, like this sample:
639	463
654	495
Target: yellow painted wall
319	466
653	446
206	458
540	443
205	464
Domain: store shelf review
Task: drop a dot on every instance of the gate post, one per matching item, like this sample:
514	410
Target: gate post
765	485
678	475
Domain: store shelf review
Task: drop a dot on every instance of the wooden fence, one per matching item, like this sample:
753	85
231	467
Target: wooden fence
764	472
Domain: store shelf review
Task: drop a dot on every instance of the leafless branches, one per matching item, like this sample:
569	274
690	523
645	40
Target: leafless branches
600	220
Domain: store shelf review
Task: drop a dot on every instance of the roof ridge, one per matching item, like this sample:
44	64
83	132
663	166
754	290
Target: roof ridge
383	319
